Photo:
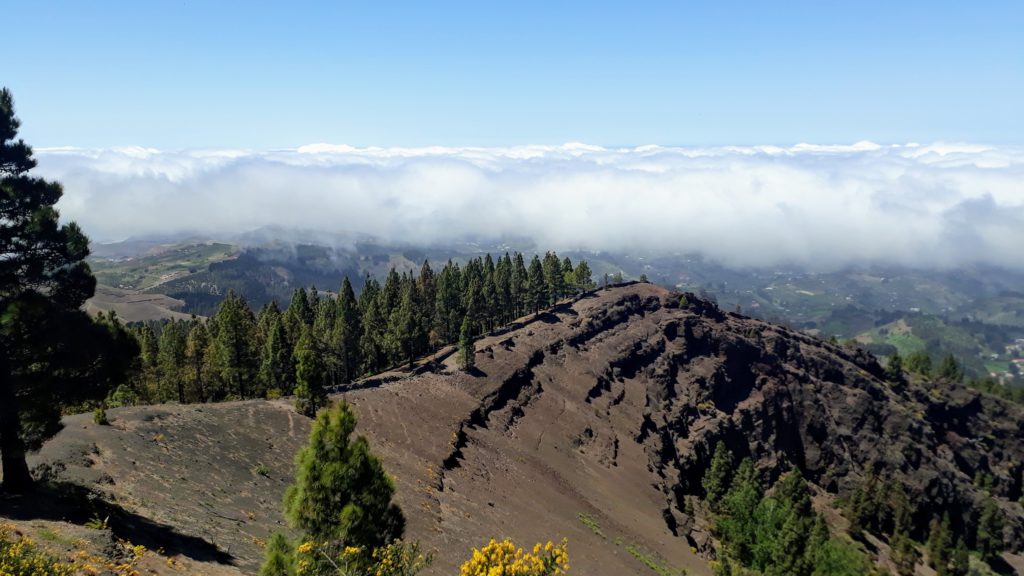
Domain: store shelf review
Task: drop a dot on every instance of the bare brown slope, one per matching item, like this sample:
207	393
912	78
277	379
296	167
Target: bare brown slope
133	306
605	410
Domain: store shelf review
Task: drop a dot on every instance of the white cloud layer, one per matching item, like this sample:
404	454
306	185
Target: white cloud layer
821	206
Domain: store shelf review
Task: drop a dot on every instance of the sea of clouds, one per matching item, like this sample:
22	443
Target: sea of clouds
819	206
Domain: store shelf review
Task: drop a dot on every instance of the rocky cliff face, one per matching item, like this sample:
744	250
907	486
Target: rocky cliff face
596	421
786	399
780	397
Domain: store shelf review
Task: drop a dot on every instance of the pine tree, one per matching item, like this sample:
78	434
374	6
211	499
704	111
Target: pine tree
279	559
959	560
325	316
371	341
864	506
568	276
790	550
51	352
552	268
989	538
520	286
894	369
902	510
738	525
467	350
171	361
538	292
342	496
489	298
391	293
904	554
234	358
939	545
582	273
265	318
950	369
919	362
503	289
403	326
817	541
149	358
426	286
792	491
310	375
718	476
473	305
300	311
277	369
195	360
448	303
790	554
347	330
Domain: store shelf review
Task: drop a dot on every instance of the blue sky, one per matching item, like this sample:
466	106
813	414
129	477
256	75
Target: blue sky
263	75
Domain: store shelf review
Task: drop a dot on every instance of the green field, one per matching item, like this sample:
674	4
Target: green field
160	265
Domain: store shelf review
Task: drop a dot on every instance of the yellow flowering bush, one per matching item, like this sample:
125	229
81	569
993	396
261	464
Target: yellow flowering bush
399	559
396	559
20	556
505	559
91	564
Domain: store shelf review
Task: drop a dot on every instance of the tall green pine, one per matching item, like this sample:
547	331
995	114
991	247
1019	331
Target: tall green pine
959	560
467	349
718	477
310	375
347	331
234	358
375	325
989	538
171	361
426	286
342	496
940	544
519	283
950	369
51	352
537	286
196	345
584	280
277	370
552	268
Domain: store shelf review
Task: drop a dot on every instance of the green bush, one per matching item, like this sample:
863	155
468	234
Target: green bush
99	416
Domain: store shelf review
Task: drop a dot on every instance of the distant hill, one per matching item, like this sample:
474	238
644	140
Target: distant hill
595	421
980	347
973	314
200	274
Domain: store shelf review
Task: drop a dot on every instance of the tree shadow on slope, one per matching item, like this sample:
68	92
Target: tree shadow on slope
1001	566
548	317
65	502
476	372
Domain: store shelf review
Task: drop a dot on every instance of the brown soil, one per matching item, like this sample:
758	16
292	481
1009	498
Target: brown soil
134	306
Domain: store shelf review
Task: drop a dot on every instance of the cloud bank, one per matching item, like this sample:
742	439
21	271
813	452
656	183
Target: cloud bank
937	205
